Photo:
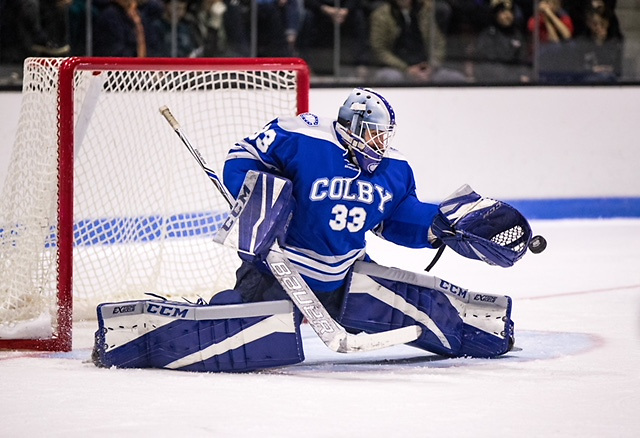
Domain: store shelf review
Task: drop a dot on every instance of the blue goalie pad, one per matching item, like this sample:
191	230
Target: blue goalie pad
190	337
482	228
455	322
259	217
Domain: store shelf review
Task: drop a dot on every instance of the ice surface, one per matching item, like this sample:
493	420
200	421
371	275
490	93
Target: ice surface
577	315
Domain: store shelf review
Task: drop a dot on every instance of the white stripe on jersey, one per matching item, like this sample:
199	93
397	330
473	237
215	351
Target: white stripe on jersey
320	267
242	149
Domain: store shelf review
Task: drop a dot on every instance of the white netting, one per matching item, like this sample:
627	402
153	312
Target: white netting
144	211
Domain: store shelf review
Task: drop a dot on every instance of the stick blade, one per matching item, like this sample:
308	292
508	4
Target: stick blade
376	341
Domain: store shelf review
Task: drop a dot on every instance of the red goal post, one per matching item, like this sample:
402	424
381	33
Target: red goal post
101	201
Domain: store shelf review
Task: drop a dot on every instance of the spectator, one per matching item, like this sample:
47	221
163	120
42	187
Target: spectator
600	49
22	34
554	23
54	19
577	10
501	51
293	13
186	38
128	28
278	25
222	28
556	48
407	46
606	10
321	17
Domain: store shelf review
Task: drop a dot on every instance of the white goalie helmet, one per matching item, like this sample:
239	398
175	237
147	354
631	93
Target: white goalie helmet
366	125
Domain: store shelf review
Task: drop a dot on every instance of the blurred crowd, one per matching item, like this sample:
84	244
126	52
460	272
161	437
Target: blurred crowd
381	40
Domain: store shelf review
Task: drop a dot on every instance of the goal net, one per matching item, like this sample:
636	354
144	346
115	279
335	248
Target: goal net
103	203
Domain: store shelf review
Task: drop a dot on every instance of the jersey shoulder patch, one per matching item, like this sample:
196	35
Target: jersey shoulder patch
310	119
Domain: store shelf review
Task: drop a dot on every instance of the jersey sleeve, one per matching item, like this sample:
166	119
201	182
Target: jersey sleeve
259	151
408	225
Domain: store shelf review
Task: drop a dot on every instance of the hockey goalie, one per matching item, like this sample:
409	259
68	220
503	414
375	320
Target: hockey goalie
304	191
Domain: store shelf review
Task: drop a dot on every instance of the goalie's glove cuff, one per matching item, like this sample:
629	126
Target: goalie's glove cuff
482	228
433	239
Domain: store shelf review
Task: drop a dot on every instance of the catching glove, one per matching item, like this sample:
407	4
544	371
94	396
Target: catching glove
481	228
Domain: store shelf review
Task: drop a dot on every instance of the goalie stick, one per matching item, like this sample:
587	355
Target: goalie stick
166	113
332	334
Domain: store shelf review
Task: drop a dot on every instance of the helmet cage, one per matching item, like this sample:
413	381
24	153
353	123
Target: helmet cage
377	136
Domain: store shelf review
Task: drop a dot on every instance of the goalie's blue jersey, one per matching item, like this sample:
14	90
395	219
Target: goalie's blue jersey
336	204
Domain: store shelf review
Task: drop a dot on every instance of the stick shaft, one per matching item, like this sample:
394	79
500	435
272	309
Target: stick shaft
213	176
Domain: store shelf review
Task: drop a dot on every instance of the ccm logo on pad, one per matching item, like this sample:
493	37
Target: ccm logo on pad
453	289
164	310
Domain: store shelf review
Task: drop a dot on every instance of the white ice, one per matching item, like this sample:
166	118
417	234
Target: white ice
576	309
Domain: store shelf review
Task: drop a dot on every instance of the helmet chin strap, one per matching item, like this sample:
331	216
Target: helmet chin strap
354	160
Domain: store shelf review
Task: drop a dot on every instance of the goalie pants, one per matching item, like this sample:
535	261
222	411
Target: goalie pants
256	283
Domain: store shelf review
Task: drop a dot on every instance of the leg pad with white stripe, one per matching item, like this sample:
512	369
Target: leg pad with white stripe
455	322
190	337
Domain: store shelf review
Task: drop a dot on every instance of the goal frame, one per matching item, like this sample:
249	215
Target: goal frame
62	339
